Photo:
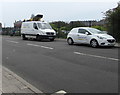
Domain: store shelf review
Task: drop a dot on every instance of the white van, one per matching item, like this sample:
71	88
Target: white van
37	29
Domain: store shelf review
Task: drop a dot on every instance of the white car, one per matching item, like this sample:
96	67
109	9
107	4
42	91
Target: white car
91	36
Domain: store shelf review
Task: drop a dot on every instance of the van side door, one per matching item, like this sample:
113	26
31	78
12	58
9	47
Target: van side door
35	29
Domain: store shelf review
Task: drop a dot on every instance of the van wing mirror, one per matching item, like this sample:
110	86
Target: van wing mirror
36	27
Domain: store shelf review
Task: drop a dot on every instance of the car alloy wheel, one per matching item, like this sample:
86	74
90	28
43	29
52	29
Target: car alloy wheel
94	43
70	41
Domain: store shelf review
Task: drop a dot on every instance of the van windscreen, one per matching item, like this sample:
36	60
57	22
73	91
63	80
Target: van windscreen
44	26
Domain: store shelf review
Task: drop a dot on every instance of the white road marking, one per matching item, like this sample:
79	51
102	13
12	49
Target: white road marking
33	45
96	56
61	91
39	46
46	47
12	41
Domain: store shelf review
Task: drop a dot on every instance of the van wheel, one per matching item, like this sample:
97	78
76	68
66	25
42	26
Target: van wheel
24	37
51	39
70	41
94	43
38	38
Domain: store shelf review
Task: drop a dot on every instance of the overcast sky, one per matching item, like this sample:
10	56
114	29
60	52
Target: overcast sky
54	11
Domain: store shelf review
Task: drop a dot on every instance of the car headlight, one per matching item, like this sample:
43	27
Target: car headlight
101	37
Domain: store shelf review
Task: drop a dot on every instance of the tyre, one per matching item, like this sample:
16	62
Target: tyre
94	43
51	39
24	37
70	41
38	38
11	34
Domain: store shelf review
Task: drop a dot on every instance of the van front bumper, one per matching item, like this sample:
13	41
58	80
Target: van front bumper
47	37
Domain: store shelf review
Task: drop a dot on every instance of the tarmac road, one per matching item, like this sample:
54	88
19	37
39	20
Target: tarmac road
54	66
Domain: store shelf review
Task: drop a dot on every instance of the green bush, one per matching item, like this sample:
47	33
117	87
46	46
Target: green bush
100	28
113	22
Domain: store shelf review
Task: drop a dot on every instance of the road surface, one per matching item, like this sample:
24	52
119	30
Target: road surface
54	66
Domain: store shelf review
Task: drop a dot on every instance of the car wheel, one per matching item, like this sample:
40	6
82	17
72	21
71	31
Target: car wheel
70	41
94	43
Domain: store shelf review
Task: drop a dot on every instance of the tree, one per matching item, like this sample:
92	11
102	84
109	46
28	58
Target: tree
60	26
99	27
113	22
74	24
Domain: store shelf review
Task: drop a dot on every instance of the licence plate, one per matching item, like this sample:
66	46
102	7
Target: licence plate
50	37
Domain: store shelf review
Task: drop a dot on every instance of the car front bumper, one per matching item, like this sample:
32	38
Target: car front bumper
107	42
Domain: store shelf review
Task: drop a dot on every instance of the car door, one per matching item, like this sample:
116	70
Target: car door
73	34
82	36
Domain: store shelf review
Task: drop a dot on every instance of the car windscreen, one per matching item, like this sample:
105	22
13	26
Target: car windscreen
95	31
44	26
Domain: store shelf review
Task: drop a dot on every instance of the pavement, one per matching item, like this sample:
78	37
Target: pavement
12	83
0	80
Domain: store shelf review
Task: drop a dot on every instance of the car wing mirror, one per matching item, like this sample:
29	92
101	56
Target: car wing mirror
86	33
